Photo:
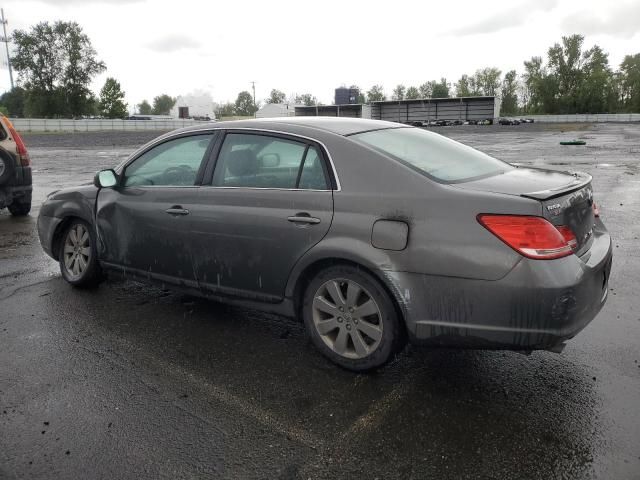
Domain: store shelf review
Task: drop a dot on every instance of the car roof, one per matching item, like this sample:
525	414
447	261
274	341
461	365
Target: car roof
337	125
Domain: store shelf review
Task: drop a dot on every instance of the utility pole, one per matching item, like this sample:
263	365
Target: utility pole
253	85
5	39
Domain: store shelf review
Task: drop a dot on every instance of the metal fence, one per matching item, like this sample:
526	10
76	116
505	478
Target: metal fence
65	125
586	118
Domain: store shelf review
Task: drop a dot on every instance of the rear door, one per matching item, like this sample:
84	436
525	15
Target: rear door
269	200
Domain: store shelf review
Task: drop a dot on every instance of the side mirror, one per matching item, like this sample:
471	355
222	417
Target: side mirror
270	160
105	179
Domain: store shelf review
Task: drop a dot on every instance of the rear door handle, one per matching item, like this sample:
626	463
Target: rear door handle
177	210
304	218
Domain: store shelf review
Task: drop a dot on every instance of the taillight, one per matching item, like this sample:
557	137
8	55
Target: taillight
596	210
533	237
21	148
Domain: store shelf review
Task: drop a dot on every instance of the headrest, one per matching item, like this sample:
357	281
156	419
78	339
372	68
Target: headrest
242	163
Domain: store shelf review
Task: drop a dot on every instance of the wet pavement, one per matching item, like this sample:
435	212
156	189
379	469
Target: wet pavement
130	381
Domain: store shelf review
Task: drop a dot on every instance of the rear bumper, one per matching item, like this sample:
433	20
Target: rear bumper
538	305
10	192
19	185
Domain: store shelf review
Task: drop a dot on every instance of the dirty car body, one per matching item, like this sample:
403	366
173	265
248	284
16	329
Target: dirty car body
461	244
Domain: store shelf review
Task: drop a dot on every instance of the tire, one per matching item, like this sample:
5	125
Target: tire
78	256
7	166
359	342
21	206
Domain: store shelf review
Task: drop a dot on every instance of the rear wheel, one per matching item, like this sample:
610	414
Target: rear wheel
20	206
351	319
77	256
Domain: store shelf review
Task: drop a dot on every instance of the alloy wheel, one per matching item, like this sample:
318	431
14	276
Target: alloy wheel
347	318
77	251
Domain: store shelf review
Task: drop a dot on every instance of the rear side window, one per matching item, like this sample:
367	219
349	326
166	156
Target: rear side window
261	161
436	156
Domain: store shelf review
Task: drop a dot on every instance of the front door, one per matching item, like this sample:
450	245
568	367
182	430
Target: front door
270	200
143	223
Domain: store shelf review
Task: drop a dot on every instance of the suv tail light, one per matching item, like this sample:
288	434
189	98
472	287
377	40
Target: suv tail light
21	148
533	237
596	210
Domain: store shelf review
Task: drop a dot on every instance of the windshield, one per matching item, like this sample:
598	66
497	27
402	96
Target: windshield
436	156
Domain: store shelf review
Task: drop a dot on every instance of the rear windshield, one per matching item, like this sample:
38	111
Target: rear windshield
438	157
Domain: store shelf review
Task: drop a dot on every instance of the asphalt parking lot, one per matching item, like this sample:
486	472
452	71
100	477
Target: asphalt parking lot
130	381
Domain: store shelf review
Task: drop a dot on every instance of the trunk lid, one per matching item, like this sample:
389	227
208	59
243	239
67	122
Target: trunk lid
566	198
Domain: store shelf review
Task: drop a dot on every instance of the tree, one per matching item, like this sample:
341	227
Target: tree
244	104
376	94
630	83
440	89
144	108
412	93
111	100
361	98
509	93
486	82
463	86
55	64
306	99
276	96
162	104
425	89
399	92
226	110
13	100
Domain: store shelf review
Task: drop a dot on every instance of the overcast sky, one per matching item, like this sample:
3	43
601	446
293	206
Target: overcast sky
176	47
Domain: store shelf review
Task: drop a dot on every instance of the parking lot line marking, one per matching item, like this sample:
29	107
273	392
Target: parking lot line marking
244	406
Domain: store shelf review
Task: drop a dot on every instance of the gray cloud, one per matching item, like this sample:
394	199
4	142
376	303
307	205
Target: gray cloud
507	18
173	43
621	21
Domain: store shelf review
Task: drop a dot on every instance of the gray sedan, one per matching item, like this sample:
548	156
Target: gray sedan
373	233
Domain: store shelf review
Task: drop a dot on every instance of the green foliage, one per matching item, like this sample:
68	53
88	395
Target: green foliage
4	110
629	83
440	89
226	110
55	64
509	93
14	100
376	94
111	100
434	89
277	96
306	99
162	104
144	108
412	93
399	92
425	89
244	104
463	86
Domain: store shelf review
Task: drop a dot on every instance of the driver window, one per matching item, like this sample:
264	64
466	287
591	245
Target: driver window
172	163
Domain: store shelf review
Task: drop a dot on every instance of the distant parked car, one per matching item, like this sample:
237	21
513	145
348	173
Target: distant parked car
508	121
371	232
15	171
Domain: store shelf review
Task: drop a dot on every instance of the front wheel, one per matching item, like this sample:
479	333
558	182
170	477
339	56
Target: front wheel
351	318
77	256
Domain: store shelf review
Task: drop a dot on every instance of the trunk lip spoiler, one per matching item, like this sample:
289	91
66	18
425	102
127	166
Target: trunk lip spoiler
581	180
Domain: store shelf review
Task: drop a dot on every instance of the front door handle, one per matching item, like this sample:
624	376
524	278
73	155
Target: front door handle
177	210
304	218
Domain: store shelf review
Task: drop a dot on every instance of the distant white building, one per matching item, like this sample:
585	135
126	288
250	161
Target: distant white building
198	105
269	110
